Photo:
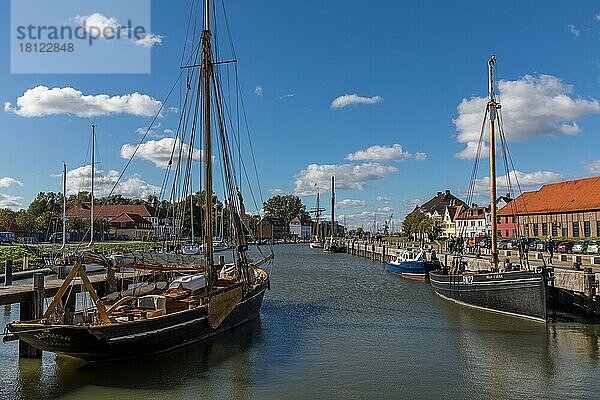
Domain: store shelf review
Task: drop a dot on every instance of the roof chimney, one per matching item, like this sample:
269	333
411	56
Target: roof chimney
447	191
438	193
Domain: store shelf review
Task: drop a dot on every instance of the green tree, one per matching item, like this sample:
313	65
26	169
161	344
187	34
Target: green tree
285	208
410	225
8	219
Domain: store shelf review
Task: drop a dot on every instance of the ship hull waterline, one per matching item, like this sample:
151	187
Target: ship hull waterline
416	270
138	339
521	294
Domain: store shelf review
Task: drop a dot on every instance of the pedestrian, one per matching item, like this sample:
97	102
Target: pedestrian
550	249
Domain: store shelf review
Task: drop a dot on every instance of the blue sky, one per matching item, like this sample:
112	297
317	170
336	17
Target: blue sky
410	64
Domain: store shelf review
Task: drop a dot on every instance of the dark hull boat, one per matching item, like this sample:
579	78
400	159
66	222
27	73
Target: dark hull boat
176	299
518	293
137	338
513	290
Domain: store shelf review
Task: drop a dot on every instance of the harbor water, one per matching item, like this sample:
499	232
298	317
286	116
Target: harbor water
338	326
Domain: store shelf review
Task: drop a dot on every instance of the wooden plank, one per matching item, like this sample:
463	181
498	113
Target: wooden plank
23	293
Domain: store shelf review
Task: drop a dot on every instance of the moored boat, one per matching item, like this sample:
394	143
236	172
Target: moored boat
517	290
172	311
412	265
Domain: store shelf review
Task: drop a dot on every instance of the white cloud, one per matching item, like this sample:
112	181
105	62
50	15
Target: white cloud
154	132
159	151
276	191
9	201
351	203
527	181
148	40
99	26
381	153
383	199
531	106
41	101
574	31
470	152
287	96
347	176
597	17
367	218
8	181
79	179
350	99
259	91
593	167
420	156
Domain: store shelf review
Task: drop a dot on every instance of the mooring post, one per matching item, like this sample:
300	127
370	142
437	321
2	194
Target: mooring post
31	311
8	270
38	295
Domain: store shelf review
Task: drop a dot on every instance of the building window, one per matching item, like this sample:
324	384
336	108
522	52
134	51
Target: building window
499	233
507	235
544	228
514	233
565	232
527	229
514	220
598	228
575	229
587	230
554	229
535	230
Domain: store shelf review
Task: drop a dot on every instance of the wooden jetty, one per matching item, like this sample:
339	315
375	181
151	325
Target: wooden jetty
31	296
574	285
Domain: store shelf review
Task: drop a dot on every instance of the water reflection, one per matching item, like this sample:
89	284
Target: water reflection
157	373
336	326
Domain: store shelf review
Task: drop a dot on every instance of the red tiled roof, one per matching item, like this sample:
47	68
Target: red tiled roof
454	211
129	217
466	214
109	211
567	196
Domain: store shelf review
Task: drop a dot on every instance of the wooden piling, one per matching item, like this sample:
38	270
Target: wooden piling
8	270
31	311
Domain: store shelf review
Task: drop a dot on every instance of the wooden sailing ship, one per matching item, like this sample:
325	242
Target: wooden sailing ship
188	301
517	290
317	240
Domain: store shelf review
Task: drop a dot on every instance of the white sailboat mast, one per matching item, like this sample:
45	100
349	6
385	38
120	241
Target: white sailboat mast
92	188
64	216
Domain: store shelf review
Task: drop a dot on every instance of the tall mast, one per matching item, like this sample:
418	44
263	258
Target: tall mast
332	206
92	188
492	107
64	216
318	214
206	74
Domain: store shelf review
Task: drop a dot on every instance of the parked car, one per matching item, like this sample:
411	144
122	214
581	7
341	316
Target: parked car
592	247
7	237
540	245
57	237
580	247
503	244
485	243
565	247
122	237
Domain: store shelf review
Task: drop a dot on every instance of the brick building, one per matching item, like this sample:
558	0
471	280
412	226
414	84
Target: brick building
563	209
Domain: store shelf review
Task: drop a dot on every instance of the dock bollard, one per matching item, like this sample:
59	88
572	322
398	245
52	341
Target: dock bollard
8	271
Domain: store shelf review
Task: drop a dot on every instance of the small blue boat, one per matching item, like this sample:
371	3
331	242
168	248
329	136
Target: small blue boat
412	265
